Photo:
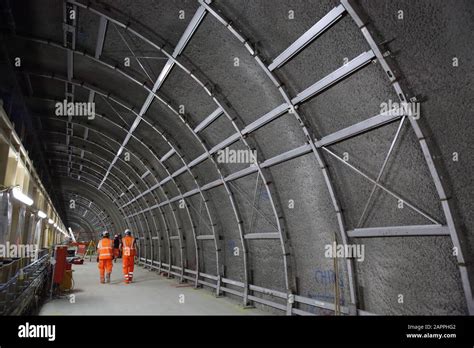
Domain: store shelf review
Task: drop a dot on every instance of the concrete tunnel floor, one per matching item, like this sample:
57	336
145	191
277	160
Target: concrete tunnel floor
150	294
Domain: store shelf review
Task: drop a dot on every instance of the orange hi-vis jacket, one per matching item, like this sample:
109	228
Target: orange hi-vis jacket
105	249
128	246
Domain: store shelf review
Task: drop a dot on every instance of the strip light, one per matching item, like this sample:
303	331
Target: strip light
42	214
72	234
50	221
20	196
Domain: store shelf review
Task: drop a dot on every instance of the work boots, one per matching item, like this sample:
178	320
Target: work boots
107	278
102	280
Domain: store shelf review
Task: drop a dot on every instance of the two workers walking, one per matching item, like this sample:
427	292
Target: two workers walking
107	254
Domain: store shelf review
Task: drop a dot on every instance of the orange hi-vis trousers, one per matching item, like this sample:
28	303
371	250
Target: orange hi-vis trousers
128	247
105	257
128	264
105	266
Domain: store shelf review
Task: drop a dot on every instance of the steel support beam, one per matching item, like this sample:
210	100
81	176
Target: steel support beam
208	120
400	231
116	189
205	237
361	127
278	215
312	33
265	235
341	73
454	230
129	134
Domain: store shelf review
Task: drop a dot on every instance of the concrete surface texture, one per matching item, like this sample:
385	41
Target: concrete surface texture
291	200
149	294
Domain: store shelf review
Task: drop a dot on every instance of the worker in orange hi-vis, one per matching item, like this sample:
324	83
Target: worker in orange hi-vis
128	256
105	257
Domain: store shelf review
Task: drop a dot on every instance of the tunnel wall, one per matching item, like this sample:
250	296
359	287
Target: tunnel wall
399	275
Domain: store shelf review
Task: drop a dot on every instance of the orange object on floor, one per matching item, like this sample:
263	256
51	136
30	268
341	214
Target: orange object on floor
61	264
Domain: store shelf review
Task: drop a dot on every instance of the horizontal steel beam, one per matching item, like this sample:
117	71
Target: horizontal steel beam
267	302
267	118
312	33
101	37
167	155
286	156
361	127
337	75
254	288
205	237
266	291
232	291
208	120
226	142
190	30
260	122
233	282
241	173
400	231
267	235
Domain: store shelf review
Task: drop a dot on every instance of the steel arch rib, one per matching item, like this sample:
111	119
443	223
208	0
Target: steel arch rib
165	169
216	237
86	174
319	158
455	235
123	105
87	141
82	159
92	207
77	220
165	224
154	128
101	221
113	176
289	284
93	219
73	193
147	169
161	100
130	167
80	218
153	219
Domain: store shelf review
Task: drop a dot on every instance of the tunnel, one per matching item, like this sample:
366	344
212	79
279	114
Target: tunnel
269	157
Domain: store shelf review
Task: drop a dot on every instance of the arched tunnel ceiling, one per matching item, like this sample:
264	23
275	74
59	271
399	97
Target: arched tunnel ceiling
175	82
